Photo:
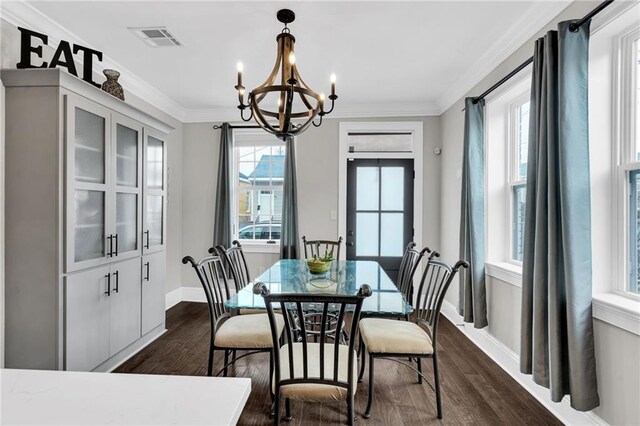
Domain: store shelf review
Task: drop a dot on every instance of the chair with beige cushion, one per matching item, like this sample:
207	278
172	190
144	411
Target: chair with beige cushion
321	248
236	262
311	371
230	333
408	266
386	338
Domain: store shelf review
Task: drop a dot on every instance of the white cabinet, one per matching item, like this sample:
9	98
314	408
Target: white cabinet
153	293
86	190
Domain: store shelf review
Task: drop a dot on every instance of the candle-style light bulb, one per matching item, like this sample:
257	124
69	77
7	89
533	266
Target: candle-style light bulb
279	102
333	84
241	91
240	68
321	101
292	58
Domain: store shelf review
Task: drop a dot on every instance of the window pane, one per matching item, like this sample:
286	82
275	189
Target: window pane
392	234
127	156
634	229
367	182
89	225
376	142
392	195
522	140
89	147
366	234
260	175
517	234
155	166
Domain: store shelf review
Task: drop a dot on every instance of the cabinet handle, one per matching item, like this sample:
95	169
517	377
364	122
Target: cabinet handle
115	237
146	265
147	243
117	275
108	277
110	238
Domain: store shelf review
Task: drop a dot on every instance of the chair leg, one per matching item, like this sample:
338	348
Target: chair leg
419	362
350	411
437	380
233	358
271	368
276	409
367	412
363	358
210	366
226	360
287	409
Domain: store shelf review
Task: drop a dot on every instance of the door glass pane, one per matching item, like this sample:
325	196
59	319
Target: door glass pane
89	147
392	188
391	234
154	219
367	183
155	159
366	234
126	221
127	156
89	226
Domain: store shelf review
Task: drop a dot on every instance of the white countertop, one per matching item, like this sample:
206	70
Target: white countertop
74	398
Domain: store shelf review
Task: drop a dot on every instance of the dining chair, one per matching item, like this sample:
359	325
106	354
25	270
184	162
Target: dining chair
250	333
392	339
236	262
307	370
408	265
321	248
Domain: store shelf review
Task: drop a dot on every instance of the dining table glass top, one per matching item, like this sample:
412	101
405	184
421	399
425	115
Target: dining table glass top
343	278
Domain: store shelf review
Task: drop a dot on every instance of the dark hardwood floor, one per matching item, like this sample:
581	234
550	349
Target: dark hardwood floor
475	390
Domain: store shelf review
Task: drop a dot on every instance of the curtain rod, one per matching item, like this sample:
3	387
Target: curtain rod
219	126
573	27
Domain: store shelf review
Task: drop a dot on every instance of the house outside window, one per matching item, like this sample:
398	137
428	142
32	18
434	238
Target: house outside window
258	176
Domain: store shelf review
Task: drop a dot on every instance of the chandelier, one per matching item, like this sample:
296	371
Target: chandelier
284	105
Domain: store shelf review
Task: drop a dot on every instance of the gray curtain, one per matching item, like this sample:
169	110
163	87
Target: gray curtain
557	326
472	301
222	219
289	247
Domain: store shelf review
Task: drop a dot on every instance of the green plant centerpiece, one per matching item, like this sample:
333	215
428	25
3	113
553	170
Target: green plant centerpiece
320	265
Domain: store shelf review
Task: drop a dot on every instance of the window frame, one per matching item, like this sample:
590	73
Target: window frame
624	129
251	138
513	176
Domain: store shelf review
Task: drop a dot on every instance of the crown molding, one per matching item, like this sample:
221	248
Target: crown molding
20	13
405	109
524	29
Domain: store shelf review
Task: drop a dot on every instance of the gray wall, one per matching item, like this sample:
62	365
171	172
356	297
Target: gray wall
9	55
617	351
317	162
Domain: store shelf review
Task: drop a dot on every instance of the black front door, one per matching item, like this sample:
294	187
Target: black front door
379	211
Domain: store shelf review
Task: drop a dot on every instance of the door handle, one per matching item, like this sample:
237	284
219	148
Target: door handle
117	275
147	243
108	292
115	237
350	234
350	244
110	238
146	265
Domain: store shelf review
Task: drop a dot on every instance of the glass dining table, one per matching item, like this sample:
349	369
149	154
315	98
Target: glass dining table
343	277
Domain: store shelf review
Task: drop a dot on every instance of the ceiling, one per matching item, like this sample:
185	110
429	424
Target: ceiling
406	56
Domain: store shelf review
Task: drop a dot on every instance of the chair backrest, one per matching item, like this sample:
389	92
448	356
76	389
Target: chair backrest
435	281
234	258
292	306
210	271
408	266
321	248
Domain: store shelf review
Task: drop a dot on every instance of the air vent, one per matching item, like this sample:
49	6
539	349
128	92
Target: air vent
156	36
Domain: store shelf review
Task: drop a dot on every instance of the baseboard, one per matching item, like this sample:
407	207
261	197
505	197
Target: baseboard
509	361
184	294
125	354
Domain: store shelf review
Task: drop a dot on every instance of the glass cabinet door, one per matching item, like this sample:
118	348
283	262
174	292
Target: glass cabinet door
87	151
127	142
155	192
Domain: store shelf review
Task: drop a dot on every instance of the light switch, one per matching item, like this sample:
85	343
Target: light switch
334	215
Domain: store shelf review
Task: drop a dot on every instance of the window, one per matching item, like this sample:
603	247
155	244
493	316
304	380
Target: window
518	147
506	155
258	175
629	145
